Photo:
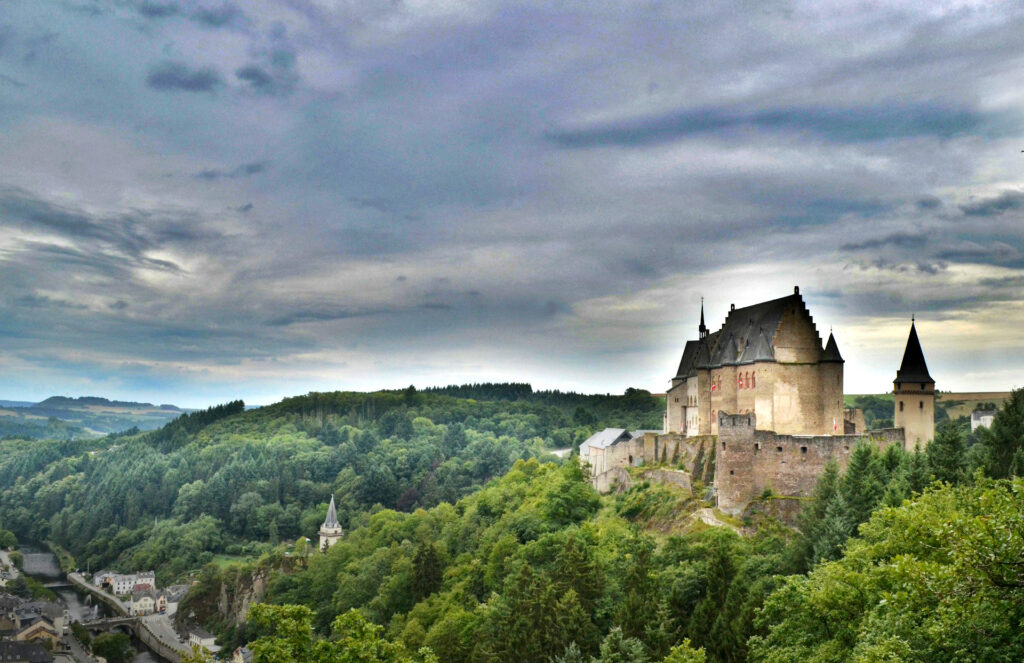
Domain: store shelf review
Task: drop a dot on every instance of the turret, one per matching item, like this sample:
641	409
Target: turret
914	395
830	370
702	330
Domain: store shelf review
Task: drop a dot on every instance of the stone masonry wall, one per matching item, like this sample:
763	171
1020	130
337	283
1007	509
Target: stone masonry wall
750	461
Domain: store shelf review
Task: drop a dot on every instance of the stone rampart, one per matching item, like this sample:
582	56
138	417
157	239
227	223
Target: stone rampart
751	461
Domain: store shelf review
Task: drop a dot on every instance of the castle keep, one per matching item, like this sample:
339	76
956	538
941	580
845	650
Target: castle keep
767	360
760	403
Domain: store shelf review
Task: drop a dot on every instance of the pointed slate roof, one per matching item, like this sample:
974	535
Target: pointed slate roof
331	521
831	352
759	349
686	363
743	323
913	368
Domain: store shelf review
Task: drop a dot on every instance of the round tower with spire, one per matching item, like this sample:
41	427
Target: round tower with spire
914	393
330	531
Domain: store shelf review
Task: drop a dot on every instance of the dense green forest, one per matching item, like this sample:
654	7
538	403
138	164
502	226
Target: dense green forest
507	555
226	482
538	567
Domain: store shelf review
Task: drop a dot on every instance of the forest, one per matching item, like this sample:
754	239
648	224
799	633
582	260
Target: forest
226	483
903	557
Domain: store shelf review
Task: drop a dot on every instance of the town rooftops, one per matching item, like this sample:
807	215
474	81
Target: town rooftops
29	652
913	368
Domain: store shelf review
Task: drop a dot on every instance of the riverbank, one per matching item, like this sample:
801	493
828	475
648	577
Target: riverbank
43	568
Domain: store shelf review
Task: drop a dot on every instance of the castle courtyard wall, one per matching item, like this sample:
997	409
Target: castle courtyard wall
750	461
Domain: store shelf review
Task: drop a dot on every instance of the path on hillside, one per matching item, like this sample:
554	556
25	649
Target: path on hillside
708	517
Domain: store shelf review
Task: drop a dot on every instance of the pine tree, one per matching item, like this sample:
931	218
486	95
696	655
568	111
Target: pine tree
917	472
1004	437
861	486
835	529
616	648
946	455
427	571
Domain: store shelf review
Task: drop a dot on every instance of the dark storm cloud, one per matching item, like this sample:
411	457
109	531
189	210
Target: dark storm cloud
839	125
173	75
11	81
323	314
255	76
997	252
276	77
243	170
217	17
110	244
152	9
1004	202
899	240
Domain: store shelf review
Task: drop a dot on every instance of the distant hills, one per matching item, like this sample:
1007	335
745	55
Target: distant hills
63	417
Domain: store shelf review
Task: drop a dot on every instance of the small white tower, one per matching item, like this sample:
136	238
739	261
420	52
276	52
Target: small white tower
330	531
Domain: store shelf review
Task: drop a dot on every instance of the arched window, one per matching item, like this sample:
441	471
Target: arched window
922	405
753	379
901	406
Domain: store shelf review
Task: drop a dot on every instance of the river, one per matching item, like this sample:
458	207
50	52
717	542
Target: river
43	567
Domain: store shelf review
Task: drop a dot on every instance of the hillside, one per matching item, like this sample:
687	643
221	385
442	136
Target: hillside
227	481
61	417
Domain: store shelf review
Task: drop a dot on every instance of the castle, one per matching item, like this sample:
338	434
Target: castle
760	403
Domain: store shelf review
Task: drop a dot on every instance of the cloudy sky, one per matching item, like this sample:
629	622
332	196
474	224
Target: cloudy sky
209	200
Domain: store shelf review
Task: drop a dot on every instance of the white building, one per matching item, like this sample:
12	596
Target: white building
197	637
982	418
122	584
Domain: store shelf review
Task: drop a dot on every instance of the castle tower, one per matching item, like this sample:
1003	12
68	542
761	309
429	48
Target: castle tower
914	393
831	374
330	531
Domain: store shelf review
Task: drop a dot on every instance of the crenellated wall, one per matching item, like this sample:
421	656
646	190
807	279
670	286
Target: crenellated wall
750	461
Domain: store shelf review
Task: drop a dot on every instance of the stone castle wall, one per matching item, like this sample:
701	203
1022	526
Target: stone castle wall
750	461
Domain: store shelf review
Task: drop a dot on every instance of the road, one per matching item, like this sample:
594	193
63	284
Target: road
160	626
77	579
7	562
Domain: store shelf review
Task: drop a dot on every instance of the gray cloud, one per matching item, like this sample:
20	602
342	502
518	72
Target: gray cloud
217	17
973	252
172	75
242	170
1004	202
152	9
834	124
899	240
430	187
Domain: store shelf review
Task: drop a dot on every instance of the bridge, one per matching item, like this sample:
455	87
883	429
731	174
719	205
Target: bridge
126	625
